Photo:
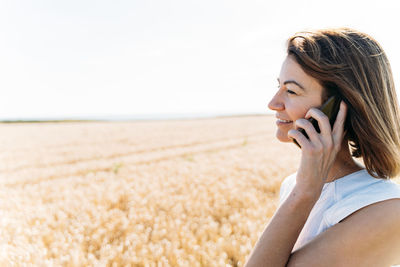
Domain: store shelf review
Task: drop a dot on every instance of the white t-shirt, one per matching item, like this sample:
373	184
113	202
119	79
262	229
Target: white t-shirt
339	199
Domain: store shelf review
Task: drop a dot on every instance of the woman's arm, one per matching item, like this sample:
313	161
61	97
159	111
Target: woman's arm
276	242
318	154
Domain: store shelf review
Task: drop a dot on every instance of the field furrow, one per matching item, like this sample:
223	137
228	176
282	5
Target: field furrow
80	153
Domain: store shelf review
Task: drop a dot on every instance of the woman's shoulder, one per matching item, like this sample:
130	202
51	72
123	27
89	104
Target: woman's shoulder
361	183
359	191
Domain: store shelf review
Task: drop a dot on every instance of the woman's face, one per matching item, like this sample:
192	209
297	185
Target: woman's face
297	93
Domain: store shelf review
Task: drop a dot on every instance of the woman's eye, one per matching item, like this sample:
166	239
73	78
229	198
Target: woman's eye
290	92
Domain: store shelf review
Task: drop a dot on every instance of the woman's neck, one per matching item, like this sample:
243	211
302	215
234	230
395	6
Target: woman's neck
344	164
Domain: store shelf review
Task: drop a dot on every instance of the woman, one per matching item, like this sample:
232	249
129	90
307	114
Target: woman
334	211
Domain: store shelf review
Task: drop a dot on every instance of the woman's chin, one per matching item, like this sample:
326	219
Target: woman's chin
286	140
282	137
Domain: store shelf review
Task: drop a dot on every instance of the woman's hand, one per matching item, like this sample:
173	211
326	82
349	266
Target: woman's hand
318	152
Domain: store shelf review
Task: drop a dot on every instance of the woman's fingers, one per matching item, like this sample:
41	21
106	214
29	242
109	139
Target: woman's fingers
323	120
309	128
327	136
300	138
338	127
341	117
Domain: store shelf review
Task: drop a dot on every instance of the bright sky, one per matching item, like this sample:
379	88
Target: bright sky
93	57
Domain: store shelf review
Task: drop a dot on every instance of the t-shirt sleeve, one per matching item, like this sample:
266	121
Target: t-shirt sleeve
380	191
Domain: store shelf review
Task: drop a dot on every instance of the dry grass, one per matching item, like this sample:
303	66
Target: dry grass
171	193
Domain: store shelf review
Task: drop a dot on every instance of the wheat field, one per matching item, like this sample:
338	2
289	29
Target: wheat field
146	193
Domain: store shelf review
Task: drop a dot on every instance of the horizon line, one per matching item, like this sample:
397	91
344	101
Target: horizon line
134	117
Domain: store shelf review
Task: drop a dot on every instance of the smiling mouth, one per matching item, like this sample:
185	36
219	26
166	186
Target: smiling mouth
284	121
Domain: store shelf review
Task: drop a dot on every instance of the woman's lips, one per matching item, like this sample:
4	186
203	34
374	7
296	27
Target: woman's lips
282	122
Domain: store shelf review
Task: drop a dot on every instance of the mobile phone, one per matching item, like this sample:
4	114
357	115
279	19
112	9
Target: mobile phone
330	108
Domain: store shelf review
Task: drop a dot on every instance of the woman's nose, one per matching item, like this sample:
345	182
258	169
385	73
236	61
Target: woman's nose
276	103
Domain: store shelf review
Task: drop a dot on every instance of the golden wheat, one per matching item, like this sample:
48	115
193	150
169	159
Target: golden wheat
167	193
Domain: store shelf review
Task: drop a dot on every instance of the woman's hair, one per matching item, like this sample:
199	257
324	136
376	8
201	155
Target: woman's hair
353	65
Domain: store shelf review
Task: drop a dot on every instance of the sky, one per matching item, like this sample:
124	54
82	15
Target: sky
62	59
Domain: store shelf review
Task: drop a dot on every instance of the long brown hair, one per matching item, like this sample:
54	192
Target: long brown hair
353	65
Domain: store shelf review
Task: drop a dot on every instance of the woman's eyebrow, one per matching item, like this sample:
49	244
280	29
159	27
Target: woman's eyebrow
294	82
